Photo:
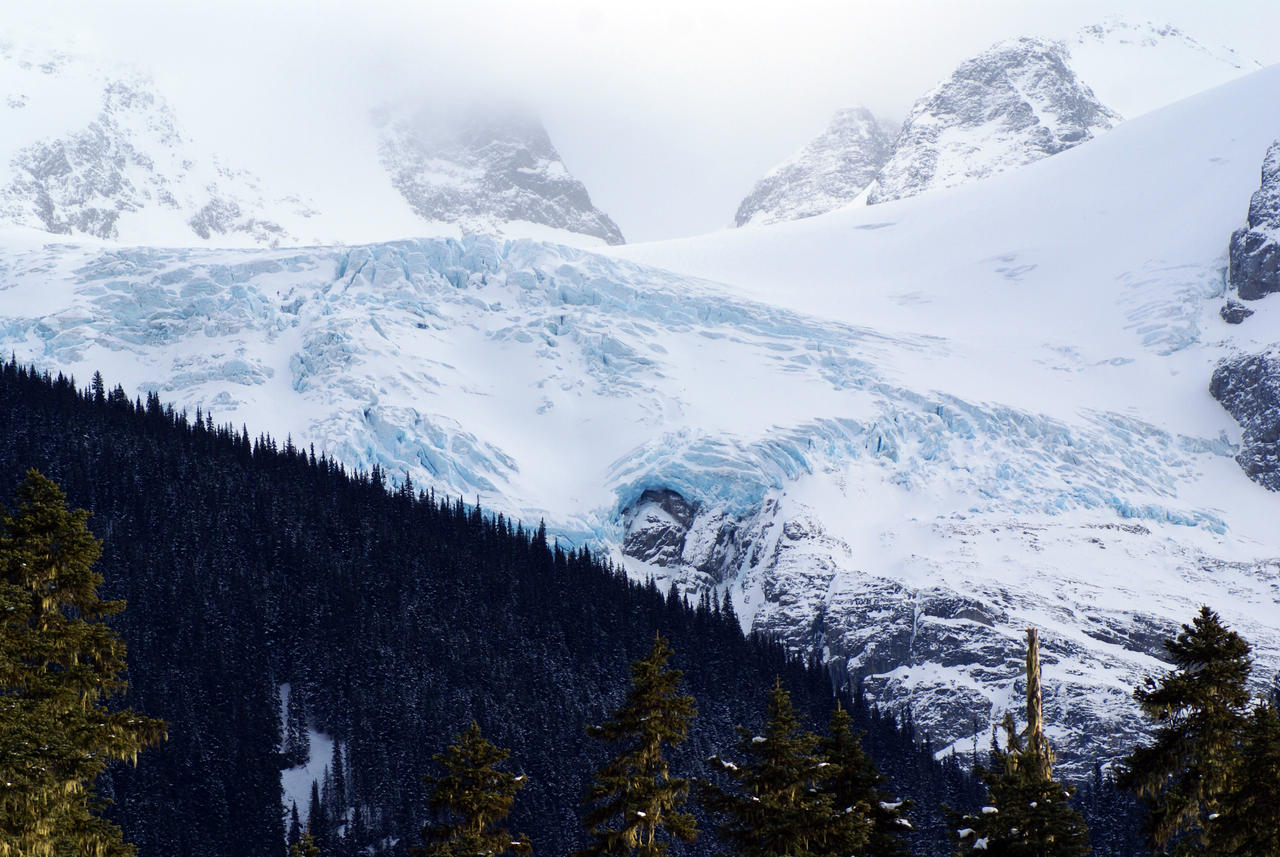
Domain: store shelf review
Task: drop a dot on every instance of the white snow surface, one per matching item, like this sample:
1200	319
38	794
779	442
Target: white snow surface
93	150
1135	66
295	783
1018	102
906	432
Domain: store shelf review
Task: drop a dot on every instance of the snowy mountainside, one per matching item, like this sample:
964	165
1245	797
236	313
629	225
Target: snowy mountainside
1006	107
482	174
93	149
893	435
1013	104
98	152
1135	67
830	171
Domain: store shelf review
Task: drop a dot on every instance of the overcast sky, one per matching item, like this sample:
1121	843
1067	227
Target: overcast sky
668	110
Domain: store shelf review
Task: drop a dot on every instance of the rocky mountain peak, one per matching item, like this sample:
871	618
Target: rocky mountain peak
1013	104
827	173
118	158
483	171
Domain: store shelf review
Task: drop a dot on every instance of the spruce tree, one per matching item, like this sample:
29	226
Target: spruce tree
1248	824
634	798
471	798
59	664
1199	708
1028	812
877	822
305	846
777	809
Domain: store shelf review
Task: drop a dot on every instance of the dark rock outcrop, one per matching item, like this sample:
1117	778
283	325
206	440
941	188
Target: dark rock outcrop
1234	312
1249	388
1254	269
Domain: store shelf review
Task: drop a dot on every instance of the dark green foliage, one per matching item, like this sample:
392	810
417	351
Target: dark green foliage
1249	822
59	664
396	616
1027	814
857	787
634	798
305	846
470	799
1199	708
777	808
1113	816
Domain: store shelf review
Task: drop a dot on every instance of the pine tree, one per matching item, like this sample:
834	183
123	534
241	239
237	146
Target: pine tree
1249	822
305	846
1029	813
1199	707
471	798
778	809
297	738
634	797
58	665
294	835
856	787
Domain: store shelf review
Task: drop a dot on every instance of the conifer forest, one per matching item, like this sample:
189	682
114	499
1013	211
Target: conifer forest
487	690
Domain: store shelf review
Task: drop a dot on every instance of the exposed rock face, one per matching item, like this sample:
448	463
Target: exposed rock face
1013	104
827	173
1234	312
129	161
1249	388
1255	250
479	173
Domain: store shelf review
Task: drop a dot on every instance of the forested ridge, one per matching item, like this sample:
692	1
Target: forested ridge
397	617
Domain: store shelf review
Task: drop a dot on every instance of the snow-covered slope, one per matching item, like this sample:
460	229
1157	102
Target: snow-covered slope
95	150
1135	67
829	172
483	173
896	435
1011	105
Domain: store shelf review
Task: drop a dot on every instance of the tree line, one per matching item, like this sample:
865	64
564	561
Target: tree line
1209	778
395	617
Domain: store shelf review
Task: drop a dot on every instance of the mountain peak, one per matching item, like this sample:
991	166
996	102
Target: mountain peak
482	171
827	173
1014	103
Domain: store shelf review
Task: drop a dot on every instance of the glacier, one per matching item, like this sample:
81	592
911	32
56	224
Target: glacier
893	437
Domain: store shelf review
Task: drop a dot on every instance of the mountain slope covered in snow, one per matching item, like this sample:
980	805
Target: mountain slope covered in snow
92	149
1011	105
1020	101
894	435
830	171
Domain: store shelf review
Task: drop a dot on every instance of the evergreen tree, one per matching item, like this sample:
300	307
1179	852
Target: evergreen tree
1249	822
58	665
1029	813
856	787
778	810
315	813
1199	708
471	798
297	738
634	797
305	846
294	836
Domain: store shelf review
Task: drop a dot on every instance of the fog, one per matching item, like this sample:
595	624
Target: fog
668	111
